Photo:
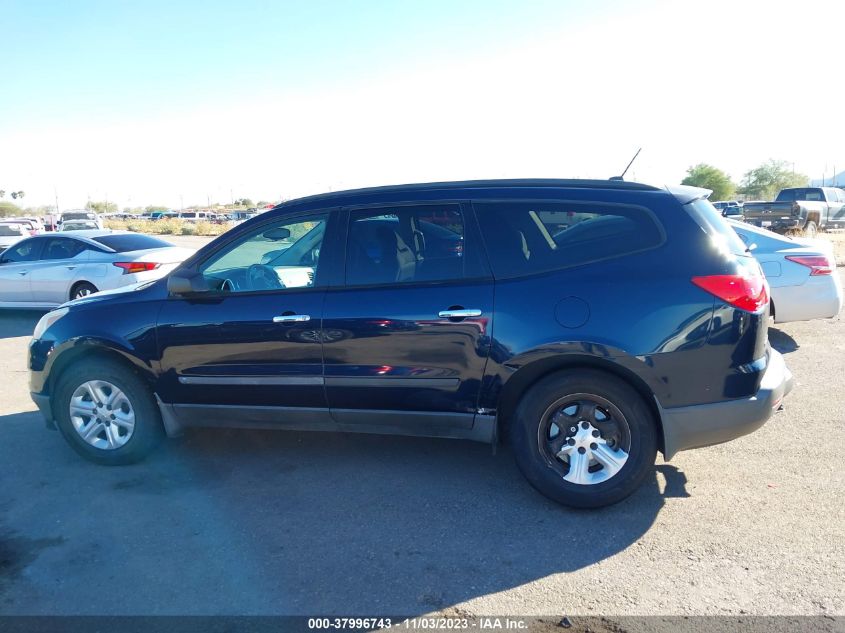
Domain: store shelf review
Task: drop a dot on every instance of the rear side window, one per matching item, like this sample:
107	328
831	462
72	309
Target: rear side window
409	244
717	228
62	248
124	242
525	238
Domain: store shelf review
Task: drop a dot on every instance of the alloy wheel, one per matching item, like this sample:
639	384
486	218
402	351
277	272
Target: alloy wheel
102	414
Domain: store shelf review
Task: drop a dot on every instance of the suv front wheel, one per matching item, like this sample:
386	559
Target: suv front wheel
106	412
584	438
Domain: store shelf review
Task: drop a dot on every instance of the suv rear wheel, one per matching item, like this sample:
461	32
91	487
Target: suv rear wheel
106	412
584	438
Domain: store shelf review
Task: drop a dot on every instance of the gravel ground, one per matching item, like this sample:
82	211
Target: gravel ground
249	522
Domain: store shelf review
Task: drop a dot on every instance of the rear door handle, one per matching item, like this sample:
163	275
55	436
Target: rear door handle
462	313
23	272
291	318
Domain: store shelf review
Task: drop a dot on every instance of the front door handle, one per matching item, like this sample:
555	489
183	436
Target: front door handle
461	313
23	272
291	318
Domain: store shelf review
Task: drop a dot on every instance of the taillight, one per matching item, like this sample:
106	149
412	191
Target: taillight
818	264
747	292
136	267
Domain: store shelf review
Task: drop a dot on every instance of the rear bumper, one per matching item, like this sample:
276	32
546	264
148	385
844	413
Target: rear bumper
707	424
775	224
819	297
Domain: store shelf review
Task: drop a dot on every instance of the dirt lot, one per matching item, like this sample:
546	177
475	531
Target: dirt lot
838	240
248	522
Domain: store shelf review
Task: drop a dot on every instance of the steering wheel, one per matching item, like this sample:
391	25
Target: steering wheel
261	277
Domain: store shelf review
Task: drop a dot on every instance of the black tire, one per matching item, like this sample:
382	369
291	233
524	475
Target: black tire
546	473
82	289
148	430
810	229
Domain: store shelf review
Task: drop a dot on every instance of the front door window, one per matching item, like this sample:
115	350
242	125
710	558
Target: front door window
274	257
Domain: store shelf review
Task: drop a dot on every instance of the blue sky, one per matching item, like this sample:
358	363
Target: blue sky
182	102
103	59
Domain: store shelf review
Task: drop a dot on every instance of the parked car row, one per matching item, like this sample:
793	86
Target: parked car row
563	316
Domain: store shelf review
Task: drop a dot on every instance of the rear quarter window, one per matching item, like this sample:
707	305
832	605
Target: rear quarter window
123	243
524	238
721	234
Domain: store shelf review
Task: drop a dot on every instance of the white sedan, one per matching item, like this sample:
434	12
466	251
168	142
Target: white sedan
45	271
801	273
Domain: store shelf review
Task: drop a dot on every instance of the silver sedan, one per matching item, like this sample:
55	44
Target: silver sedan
801	273
45	271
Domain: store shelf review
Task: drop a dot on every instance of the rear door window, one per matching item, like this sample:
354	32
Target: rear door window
62	248
523	238
407	244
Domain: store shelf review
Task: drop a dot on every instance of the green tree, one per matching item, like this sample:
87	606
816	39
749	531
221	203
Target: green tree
9	208
17	194
709	177
764	182
244	202
102	206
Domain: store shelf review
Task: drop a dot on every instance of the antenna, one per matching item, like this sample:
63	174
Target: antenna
622	177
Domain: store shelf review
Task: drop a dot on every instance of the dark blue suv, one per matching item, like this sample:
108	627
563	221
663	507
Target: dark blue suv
591	323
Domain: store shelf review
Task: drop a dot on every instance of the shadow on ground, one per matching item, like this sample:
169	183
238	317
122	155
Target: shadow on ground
782	341
284	522
14	323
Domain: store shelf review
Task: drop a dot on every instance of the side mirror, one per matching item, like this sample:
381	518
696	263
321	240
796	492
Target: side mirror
183	282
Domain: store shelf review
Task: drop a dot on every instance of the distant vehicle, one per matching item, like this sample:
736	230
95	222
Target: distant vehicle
800	273
36	223
729	208
30	226
11	233
79	215
163	215
196	216
45	271
807	209
51	221
241	216
78	225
